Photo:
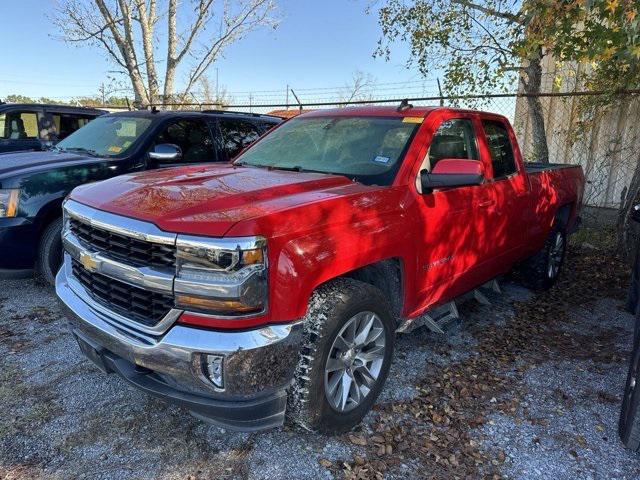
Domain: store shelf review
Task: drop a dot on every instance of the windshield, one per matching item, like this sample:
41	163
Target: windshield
106	136
367	149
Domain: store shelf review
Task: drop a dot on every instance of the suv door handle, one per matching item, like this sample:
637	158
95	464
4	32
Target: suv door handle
486	203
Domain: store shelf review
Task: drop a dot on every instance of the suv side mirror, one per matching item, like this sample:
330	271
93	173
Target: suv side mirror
450	172
166	153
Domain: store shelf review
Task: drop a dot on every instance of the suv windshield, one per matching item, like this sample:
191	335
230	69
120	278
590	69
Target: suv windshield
367	149
106	136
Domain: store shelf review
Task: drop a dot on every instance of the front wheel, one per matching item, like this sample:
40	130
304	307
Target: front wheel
50	252
344	362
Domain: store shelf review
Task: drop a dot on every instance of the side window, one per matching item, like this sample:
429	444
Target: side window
65	124
455	138
19	125
237	134
193	137
500	148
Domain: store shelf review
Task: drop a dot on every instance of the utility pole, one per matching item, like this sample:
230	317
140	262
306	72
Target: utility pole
102	93
440	92
287	95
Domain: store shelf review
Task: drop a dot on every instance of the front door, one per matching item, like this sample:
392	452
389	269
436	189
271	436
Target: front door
455	249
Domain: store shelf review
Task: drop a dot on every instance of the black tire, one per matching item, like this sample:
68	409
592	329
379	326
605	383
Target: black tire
331	307
629	424
535	271
50	252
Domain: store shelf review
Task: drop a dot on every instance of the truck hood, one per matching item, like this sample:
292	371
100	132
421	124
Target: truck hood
24	162
208	200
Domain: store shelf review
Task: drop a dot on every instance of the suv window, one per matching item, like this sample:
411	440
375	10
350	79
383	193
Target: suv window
65	124
193	137
455	138
500	148
236	135
18	125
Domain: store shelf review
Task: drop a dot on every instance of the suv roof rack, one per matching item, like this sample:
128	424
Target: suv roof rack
233	112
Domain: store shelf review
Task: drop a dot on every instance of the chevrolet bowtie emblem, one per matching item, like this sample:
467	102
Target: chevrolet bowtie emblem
88	261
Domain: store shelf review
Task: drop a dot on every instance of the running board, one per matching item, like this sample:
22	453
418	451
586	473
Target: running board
439	318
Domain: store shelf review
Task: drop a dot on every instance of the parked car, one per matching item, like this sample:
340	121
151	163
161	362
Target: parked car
38	126
277	284
629	424
33	184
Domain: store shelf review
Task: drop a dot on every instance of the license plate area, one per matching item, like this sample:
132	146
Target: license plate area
92	351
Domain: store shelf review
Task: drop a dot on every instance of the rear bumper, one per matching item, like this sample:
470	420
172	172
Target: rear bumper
258	364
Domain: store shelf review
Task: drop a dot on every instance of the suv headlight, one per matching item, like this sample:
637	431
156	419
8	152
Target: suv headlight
222	276
9	203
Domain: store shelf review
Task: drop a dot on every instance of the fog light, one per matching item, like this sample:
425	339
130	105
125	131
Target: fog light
214	370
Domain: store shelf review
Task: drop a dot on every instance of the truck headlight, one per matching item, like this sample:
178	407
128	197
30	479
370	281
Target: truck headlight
225	276
9	203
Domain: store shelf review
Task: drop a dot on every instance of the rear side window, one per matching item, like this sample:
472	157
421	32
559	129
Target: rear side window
455	138
18	125
236	135
500	148
65	124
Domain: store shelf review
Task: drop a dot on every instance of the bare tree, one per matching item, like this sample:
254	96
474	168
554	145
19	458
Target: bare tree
359	87
129	32
218	97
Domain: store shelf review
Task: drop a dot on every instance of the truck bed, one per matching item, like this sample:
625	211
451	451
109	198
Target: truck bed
534	167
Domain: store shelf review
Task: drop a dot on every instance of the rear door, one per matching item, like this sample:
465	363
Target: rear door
20	129
511	190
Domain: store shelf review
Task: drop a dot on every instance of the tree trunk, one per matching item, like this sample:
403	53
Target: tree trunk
147	21
533	87
172	40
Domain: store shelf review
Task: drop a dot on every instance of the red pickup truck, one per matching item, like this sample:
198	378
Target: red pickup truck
277	283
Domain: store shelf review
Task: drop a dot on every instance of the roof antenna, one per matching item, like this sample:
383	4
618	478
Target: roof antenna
297	99
128	104
404	105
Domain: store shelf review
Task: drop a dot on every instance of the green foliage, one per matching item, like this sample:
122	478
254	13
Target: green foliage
474	44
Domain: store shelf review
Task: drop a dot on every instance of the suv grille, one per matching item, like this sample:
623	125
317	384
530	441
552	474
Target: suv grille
142	306
121	247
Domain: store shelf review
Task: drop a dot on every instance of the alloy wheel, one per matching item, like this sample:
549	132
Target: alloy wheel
355	361
556	252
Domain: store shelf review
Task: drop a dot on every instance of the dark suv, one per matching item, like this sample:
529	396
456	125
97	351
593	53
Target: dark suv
37	126
34	184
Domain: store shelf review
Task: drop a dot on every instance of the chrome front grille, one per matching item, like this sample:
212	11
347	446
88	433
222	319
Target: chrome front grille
141	306
121	247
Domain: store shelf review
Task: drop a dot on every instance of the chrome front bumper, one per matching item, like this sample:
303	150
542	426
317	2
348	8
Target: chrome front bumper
258	364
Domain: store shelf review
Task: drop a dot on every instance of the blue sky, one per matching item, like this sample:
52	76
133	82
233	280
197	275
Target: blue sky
318	44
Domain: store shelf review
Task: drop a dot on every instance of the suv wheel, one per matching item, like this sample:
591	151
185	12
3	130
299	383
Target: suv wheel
50	252
542	270
349	338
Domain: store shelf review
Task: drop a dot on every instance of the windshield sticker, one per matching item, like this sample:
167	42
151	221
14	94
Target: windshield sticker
412	119
380	159
115	149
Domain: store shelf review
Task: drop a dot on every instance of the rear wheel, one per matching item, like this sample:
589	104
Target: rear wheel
349	339
50	252
542	270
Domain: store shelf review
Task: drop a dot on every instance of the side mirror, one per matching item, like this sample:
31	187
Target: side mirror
166	153
450	172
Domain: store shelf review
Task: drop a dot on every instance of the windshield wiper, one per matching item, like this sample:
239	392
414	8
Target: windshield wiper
88	151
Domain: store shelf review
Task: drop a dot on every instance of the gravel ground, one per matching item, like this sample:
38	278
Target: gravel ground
498	396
